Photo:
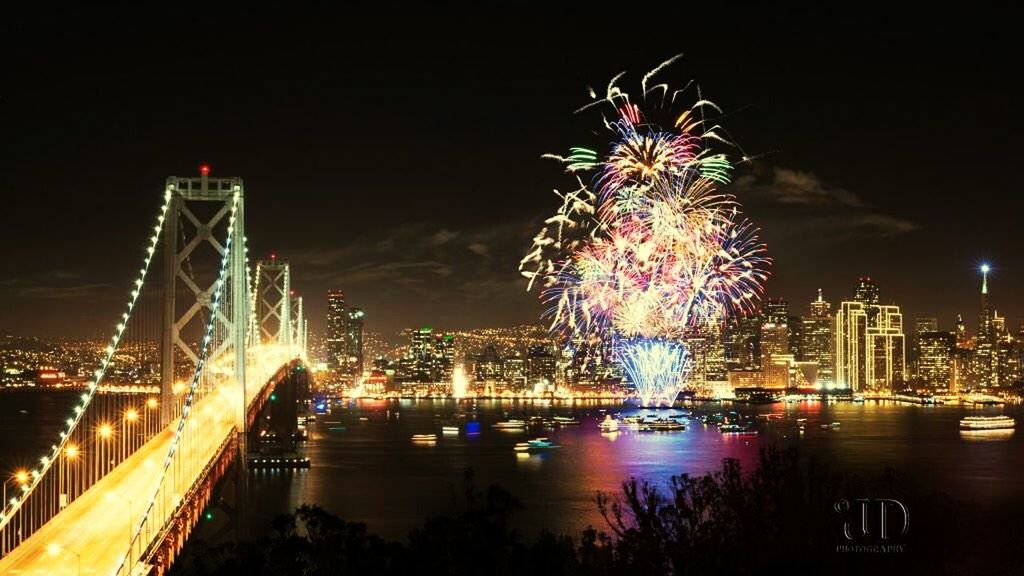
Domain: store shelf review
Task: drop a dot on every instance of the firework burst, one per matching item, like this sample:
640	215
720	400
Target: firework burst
651	251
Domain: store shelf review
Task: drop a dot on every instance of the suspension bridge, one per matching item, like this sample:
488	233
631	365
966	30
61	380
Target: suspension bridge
180	396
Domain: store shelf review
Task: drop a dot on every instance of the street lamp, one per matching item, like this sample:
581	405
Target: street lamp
21	477
54	549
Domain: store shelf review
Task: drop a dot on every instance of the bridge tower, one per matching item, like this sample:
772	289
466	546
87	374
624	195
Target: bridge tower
197	220
274	301
300	326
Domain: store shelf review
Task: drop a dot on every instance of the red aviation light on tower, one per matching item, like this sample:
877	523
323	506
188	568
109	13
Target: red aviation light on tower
204	170
273	255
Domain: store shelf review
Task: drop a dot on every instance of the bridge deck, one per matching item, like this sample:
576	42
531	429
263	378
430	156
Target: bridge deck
98	525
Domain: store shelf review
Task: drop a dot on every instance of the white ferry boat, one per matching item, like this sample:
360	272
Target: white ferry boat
987	423
609	424
510	425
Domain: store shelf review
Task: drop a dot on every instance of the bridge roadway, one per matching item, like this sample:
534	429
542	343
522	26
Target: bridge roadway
98	525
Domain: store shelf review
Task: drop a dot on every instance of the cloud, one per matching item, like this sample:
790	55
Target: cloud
804	188
480	249
423	264
797	202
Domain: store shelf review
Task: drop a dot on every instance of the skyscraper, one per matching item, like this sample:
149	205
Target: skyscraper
776	311
867	293
817	342
743	343
337	329
926	324
850	326
796	337
869	345
443	357
885	350
421	353
714	355
935	358
354	342
541	365
985	365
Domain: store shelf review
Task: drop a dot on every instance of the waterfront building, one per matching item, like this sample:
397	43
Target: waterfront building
869	343
337	330
936	358
817	341
354	342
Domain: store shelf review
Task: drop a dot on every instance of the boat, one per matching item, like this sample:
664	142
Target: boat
661	425
566	421
510	425
609	424
832	426
535	445
987	423
449	429
736	429
770	417
424	437
632	422
858	398
541	443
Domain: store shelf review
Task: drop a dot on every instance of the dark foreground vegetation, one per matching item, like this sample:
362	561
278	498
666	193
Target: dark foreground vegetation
780	518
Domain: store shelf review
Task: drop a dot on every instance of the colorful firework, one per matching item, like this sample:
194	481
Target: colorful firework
653	252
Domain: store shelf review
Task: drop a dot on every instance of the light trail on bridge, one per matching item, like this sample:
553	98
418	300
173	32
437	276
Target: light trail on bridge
99	524
136	508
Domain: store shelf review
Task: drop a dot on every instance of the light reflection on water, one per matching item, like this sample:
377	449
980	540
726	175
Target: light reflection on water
373	472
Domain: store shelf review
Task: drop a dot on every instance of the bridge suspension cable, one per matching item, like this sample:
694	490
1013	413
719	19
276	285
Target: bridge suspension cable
42	495
194	394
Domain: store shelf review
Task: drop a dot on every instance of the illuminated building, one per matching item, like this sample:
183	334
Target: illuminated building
885	349
985	362
1008	360
513	370
926	324
442	358
487	367
774	341
867	293
354	342
960	332
714	354
775	311
796	337
696	354
743	343
776	370
870	351
935	358
541	364
817	342
337	329
849	329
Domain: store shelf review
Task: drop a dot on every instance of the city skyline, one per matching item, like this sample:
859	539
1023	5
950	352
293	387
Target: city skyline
510	288
431	243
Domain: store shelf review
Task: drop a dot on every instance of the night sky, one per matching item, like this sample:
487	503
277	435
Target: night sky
396	155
